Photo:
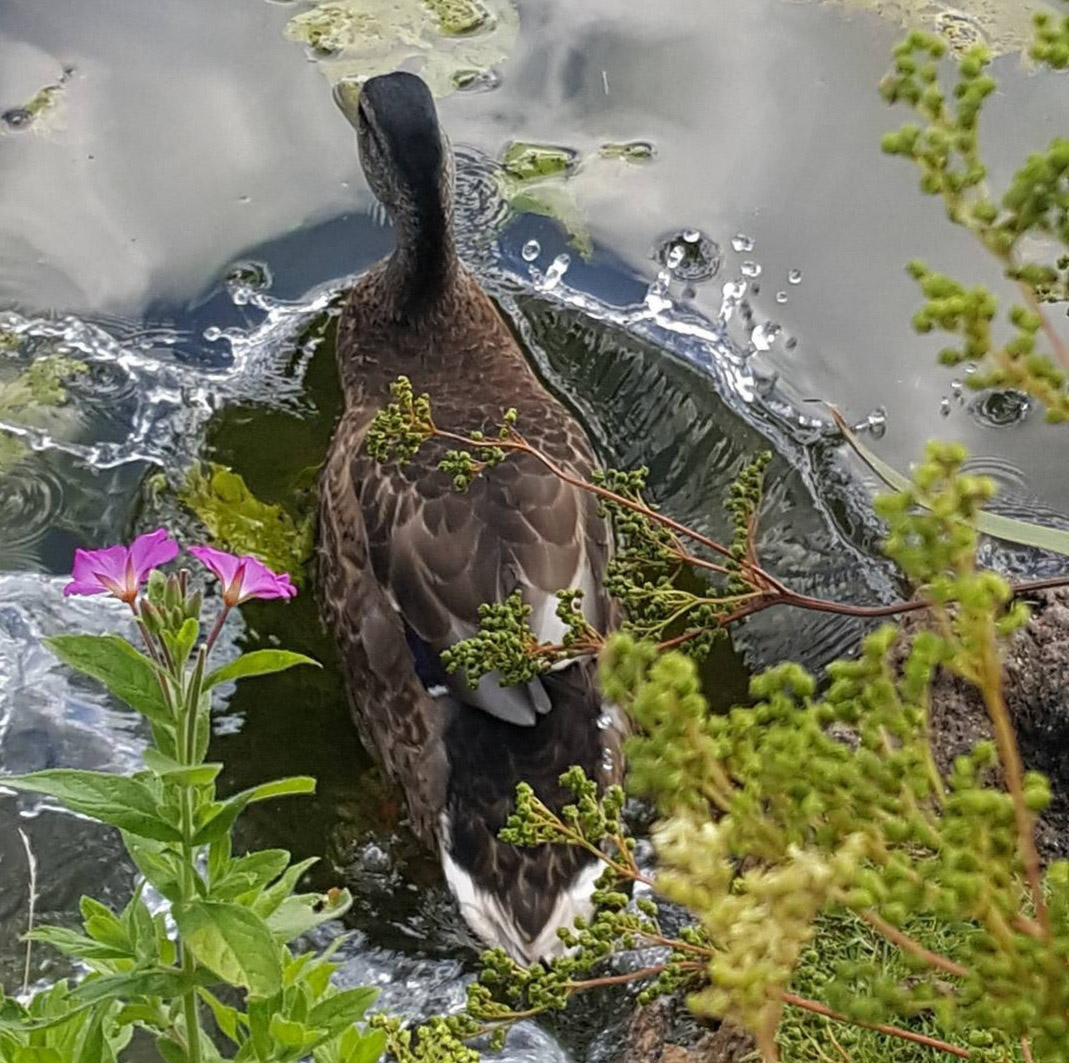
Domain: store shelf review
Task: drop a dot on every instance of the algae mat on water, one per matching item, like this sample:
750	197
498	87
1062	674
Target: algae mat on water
1005	26
454	39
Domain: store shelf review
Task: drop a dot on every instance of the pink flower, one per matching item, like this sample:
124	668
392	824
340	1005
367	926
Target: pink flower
243	577
120	570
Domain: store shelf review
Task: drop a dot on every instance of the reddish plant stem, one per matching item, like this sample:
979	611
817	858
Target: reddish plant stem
891	1031
908	944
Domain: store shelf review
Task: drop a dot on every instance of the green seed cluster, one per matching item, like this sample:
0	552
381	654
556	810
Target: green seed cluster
504	643
1051	44
946	150
402	426
743	503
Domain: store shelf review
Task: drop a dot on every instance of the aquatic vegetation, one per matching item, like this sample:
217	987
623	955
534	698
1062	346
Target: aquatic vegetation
233	917
238	521
40	104
636	151
361	38
1003	25
31	395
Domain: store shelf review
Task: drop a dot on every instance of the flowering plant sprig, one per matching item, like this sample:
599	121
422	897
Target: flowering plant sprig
234	916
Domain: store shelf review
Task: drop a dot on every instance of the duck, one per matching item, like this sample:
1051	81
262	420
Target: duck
405	560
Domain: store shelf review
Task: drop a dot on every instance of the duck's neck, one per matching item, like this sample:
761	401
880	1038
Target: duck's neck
421	273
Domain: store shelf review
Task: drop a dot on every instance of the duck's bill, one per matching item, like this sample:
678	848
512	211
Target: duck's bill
347	97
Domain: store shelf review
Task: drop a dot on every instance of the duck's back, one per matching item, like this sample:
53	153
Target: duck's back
407	561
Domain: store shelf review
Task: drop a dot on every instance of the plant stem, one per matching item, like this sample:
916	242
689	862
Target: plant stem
915	948
891	1031
1013	769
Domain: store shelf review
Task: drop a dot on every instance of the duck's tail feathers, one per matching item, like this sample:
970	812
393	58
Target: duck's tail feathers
523	922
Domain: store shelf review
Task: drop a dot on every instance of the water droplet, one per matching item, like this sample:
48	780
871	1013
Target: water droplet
531	250
956	387
742	242
604	721
17	118
763	336
212	333
781	297
690	256
944	407
1001	409
876	423
794	276
555	273
750	269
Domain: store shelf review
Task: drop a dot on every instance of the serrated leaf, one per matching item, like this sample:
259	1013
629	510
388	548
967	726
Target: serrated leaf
112	799
258	662
124	670
222	816
233	943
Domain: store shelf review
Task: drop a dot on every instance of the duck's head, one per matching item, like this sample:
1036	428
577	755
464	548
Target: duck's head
405	157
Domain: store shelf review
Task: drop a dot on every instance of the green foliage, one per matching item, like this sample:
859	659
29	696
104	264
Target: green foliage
238	521
945	147
32	394
235	916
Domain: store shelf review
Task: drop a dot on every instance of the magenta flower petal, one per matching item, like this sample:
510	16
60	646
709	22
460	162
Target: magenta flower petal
243	577
120	570
150	551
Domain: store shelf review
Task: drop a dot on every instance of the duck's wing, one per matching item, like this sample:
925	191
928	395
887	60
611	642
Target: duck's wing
440	553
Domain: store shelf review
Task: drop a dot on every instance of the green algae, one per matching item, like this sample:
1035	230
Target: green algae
238	521
532	162
1005	26
31	395
446	38
457	17
637	151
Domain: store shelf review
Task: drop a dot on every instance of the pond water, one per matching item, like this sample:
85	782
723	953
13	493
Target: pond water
178	212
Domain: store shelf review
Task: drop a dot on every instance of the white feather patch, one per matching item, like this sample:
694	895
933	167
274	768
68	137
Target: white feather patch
489	921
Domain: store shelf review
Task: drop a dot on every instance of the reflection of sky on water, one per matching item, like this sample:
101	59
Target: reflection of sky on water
193	130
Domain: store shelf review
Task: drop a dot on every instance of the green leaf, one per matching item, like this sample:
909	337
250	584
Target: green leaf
158	866
1056	540
233	943
259	662
37	1055
342	1009
103	925
222	816
251	872
294	1036
92	1043
180	644
71	943
297	915
369	1049
272	897
228	1019
125	671
124	803
170	770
